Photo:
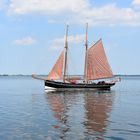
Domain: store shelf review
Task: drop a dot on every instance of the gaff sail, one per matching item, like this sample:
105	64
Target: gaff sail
57	71
97	63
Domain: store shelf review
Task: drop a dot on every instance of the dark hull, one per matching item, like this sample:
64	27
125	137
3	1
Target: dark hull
61	85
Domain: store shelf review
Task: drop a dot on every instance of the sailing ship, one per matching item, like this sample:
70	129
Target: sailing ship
96	68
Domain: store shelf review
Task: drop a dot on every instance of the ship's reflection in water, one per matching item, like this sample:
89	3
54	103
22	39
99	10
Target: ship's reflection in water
81	114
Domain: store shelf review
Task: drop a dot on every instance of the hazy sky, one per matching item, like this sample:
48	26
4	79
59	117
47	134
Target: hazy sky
32	33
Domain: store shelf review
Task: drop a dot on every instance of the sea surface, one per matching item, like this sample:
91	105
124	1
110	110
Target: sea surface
28	113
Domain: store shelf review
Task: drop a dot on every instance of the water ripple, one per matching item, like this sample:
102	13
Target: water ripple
27	113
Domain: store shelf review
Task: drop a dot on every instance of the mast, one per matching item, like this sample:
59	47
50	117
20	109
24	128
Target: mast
86	55
66	53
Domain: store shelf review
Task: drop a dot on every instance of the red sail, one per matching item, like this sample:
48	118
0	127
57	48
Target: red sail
98	66
57	70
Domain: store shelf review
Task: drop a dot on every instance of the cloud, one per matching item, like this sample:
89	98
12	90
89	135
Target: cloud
136	2
2	4
46	6
58	43
25	41
78	11
107	15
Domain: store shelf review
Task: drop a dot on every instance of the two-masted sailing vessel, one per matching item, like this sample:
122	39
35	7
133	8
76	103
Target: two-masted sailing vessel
96	67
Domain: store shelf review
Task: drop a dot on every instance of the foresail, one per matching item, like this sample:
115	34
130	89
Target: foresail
98	66
57	71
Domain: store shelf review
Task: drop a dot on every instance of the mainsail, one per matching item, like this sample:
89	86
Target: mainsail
57	70
98	66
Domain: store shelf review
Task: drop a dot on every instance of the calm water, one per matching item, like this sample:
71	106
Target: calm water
28	113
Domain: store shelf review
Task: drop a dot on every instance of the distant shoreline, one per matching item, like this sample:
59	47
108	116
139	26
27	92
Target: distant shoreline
71	75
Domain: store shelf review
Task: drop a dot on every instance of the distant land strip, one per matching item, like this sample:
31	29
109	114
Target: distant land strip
69	75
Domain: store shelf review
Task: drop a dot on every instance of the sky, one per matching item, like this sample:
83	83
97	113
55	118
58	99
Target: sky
32	34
